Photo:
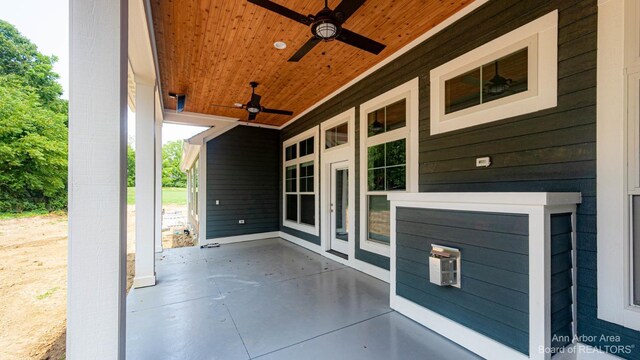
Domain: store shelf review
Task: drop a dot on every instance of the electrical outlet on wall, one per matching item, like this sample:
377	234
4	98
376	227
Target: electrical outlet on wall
240	221
483	162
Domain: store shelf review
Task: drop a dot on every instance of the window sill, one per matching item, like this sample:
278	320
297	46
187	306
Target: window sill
627	316
375	247
309	229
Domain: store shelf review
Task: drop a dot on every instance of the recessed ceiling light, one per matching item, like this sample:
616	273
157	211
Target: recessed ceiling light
280	45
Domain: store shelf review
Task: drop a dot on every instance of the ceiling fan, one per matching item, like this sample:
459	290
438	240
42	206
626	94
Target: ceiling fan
326	25
253	107
498	84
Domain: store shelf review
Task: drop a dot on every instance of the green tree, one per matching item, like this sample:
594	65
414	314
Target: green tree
131	166
33	127
172	175
20	57
33	150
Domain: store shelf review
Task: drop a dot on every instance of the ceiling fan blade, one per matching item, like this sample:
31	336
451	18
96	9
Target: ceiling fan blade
279	9
361	42
252	116
275	111
227	106
255	99
346	8
310	44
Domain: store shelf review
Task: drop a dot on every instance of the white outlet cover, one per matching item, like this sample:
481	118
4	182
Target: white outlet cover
483	162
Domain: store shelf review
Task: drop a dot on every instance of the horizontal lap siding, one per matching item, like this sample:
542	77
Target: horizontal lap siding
493	298
242	173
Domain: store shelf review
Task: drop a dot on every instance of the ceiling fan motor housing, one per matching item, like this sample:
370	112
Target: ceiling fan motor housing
252	108
324	26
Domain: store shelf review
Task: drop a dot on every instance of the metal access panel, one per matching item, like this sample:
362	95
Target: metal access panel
444	266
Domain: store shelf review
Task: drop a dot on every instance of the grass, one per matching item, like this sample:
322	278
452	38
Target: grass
170	196
28	214
47	294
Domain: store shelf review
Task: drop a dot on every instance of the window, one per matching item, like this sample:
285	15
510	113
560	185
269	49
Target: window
386	166
388	118
291	191
291	152
390	132
300	182
336	136
512	75
306	147
495	80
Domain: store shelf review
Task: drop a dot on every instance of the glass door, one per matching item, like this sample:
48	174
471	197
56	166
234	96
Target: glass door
339	206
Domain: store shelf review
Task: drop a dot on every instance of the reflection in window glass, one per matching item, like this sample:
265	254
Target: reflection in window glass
395	178
292	207
463	91
386	168
341	202
505	76
495	80
307	209
388	118
291	152
306	147
291	179
306	177
376	122
396	115
379	228
337	135
636	249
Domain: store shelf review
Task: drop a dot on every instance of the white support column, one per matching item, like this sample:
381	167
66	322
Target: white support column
158	181
145	185
97	180
202	194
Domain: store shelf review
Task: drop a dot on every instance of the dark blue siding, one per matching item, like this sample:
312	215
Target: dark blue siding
242	173
301	234
493	298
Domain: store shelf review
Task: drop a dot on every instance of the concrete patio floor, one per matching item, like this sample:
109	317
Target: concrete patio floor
270	299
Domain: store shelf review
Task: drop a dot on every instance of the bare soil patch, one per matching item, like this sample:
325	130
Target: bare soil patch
33	283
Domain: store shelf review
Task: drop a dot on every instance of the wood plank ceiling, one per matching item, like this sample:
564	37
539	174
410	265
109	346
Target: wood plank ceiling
211	50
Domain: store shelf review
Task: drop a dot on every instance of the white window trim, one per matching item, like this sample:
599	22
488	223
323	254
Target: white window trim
617	54
408	91
346	117
632	76
541	38
313	132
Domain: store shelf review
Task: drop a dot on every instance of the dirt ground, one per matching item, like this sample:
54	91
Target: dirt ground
33	283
